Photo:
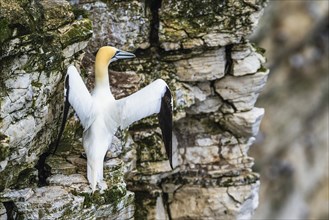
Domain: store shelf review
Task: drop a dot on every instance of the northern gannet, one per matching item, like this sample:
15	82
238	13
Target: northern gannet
101	115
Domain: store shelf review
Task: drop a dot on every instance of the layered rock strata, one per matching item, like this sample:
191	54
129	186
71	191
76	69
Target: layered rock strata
35	51
38	40
215	76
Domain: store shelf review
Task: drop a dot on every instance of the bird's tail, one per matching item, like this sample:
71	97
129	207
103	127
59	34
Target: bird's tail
94	172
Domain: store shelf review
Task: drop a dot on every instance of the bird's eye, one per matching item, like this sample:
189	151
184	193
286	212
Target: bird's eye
116	53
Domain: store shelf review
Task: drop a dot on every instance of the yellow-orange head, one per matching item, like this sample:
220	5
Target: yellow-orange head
104	57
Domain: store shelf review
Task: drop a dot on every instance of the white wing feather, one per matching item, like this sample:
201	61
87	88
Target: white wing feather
80	98
141	104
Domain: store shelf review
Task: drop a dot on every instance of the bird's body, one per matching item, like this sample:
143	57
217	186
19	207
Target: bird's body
98	137
101	115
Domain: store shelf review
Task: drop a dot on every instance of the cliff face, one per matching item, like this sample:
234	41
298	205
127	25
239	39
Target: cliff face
38	40
215	75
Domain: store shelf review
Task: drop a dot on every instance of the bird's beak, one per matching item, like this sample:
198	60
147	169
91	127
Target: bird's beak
120	54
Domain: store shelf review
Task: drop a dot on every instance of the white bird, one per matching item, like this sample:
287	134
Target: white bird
101	115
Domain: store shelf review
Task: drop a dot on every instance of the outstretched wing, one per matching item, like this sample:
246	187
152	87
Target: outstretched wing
77	95
152	99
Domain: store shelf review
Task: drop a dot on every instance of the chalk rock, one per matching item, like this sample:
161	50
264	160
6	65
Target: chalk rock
56	13
199	155
148	168
242	91
125	24
246	60
211	104
31	71
209	23
194	99
18	195
58	165
208	66
49	202
196	202
66	180
192	43
244	124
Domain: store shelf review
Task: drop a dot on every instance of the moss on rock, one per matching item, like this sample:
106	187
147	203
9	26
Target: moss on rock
80	30
31	46
5	30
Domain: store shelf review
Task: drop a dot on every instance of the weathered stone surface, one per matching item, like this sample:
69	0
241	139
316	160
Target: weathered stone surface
199	155
19	195
78	162
69	195
210	22
66	180
244	124
208	66
197	99
214	202
56	14
209	105
242	92
245	60
57	165
121	209
191	43
151	168
31	65
37	206
125	24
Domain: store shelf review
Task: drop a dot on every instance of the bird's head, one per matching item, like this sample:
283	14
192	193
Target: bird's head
104	57
108	54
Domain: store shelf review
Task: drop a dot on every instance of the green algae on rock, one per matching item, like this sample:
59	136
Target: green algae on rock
32	65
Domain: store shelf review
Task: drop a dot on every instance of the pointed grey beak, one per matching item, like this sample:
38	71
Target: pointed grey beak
120	54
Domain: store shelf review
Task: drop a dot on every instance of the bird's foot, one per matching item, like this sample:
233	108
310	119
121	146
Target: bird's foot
102	186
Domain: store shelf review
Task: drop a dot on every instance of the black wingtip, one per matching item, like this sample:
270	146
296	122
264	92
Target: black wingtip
65	113
165	122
